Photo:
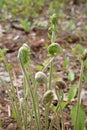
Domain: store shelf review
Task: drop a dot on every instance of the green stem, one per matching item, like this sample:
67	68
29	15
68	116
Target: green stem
50	78
12	102
13	91
26	106
22	115
61	111
53	35
46	117
31	120
51	63
79	93
37	105
55	116
58	121
32	96
25	114
48	64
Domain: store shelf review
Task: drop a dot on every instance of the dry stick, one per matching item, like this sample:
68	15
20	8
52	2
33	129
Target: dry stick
79	93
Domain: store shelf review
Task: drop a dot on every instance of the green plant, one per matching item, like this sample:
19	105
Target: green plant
52	99
26	25
54	48
70	25
22	8
56	7
85	27
40	77
76	119
23	57
13	99
71	75
0	123
28	9
60	86
47	99
66	63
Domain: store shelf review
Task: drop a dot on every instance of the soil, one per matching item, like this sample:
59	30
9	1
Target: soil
13	37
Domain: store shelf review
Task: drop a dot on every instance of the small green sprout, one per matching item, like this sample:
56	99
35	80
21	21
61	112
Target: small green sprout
23	54
48	97
41	77
53	19
54	49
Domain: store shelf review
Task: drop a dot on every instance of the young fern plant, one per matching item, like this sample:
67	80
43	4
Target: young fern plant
13	99
53	29
53	48
47	99
23	57
40	78
77	113
21	109
60	86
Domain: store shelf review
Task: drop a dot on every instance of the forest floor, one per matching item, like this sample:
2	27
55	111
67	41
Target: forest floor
13	37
